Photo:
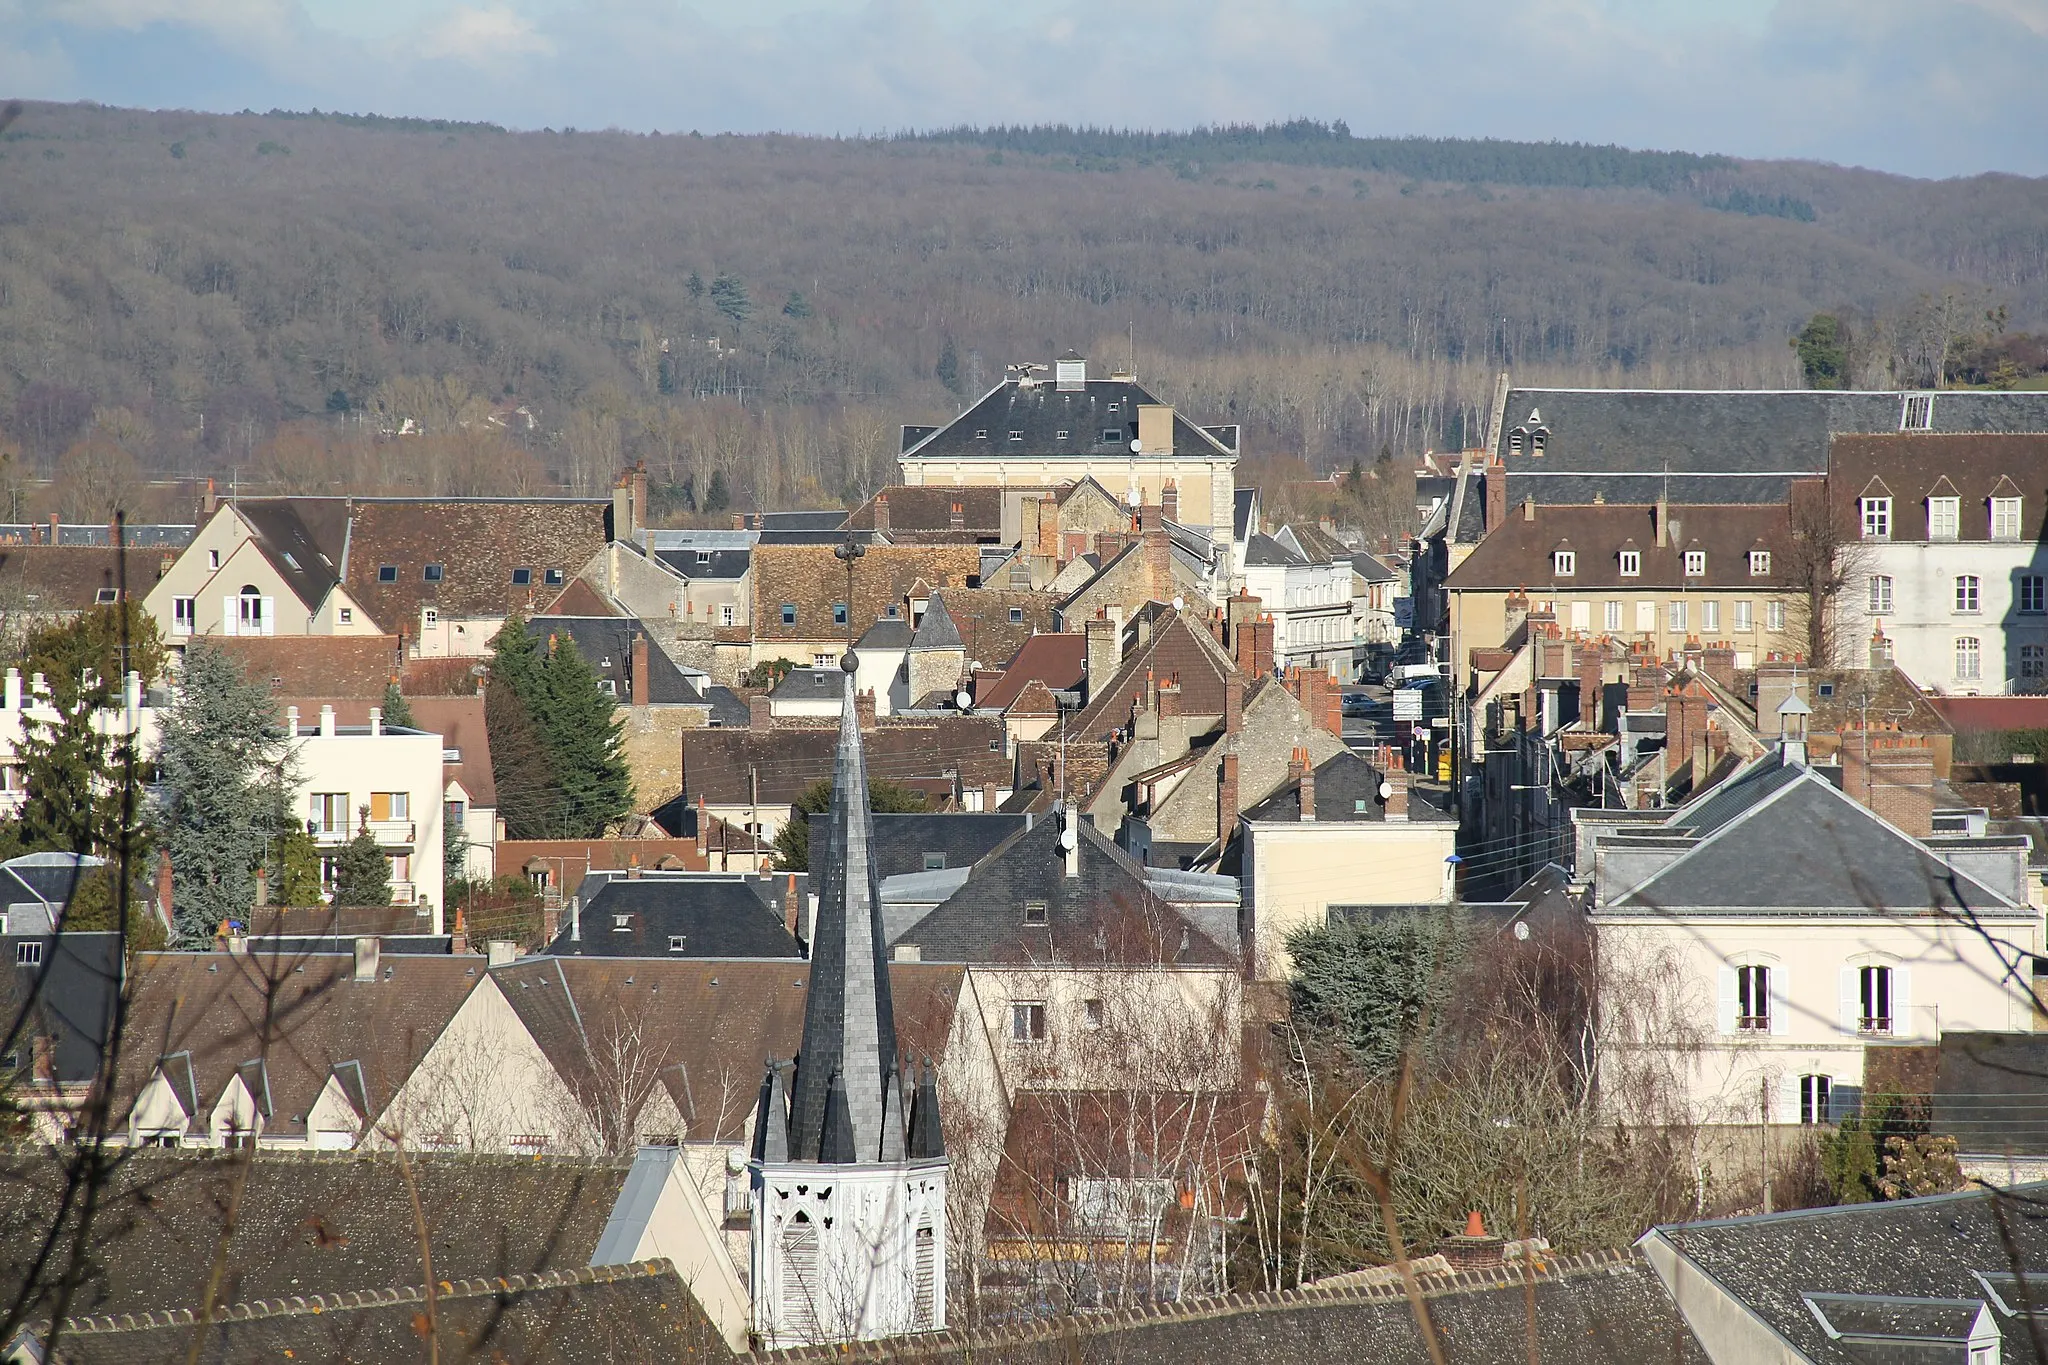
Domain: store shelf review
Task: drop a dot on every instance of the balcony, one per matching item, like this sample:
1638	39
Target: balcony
388	834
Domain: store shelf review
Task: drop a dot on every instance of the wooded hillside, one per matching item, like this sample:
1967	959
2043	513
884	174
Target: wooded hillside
267	293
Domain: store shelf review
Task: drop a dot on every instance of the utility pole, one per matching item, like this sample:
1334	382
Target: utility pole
1763	1132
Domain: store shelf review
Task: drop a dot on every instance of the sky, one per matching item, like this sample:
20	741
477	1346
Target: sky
1920	87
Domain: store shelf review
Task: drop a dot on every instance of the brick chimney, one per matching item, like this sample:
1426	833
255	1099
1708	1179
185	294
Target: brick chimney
703	832
1880	648
956	520
641	682
1226	800
792	908
759	716
1591	681
1474	1248
1516	606
1717	661
1776	679
640	495
1262	647
1159	560
163	886
1233	703
1645	686
1496	480
1108	545
864	708
1893	774
1148	519
1308	787
1169	501
212	498
1395	775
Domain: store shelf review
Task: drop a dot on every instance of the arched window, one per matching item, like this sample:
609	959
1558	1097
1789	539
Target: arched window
800	1279
249	609
1515	439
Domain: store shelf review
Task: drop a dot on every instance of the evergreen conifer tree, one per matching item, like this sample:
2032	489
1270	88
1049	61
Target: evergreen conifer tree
576	720
522	766
218	760
397	710
72	774
362	875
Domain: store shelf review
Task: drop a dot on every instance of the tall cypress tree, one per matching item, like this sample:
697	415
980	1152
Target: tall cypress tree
522	765
220	754
583	737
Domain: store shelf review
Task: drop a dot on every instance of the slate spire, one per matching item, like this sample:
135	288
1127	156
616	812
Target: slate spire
849	1041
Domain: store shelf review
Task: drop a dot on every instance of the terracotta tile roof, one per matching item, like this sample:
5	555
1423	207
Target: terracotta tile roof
212	1005
1993	713
311	1223
69	578
1972	468
1179	648
924	512
315	665
478	544
579	599
994	623
1517	553
708	1024
1053	660
810	579
790	757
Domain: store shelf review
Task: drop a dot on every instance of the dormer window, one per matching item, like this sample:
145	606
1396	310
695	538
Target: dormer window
1015	434
1563	563
1877	518
981	433
1918	414
2005	518
1515	439
1538	439
1110	435
1695	563
1631	562
1943	516
1759	563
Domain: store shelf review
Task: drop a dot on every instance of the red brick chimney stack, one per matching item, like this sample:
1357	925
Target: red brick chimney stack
640	669
1226	800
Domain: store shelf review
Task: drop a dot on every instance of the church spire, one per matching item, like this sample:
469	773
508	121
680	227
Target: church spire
849	1040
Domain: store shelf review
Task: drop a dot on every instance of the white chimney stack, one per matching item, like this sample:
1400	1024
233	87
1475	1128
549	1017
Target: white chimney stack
327	722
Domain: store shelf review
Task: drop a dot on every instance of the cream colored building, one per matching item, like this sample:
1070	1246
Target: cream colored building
255	569
1759	943
391	781
1029	432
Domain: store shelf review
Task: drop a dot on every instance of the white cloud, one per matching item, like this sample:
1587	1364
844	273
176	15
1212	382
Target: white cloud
479	36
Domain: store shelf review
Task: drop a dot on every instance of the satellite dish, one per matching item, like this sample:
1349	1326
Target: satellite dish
1386	790
1068	839
1522	930
962	700
1137	446
1179	603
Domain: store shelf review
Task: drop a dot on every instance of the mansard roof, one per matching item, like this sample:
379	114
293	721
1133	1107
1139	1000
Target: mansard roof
1042	421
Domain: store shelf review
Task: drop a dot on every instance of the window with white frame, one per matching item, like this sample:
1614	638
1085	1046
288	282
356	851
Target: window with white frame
1710	616
1753	998
1880	594
249	611
1967	593
2005	518
1943	516
2032	593
1563	563
1646	618
1759	563
1969	658
1631	563
1918	413
1612	618
1774	615
2034	662
1677	615
1027	1021
1815	1092
1874	999
184	615
727	614
1582	616
1741	617
1877	518
1695	563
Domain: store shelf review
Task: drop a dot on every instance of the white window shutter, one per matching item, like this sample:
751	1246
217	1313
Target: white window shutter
1903	1024
1788	1099
1852	1000
1781	1012
1726	1022
227	615
270	616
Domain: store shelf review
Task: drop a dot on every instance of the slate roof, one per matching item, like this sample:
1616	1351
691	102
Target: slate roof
935	629
1343	782
1109	907
70	996
889	633
67	578
714	917
722	564
1933	1248
640	1312
45	879
808	684
901	841
1244	503
708	1026
212	1006
315	665
1370	568
1039	414
1517	553
1786	840
1718	446
303	539
1058	660
606	643
305	1223
1263	552
1914	466
789	758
